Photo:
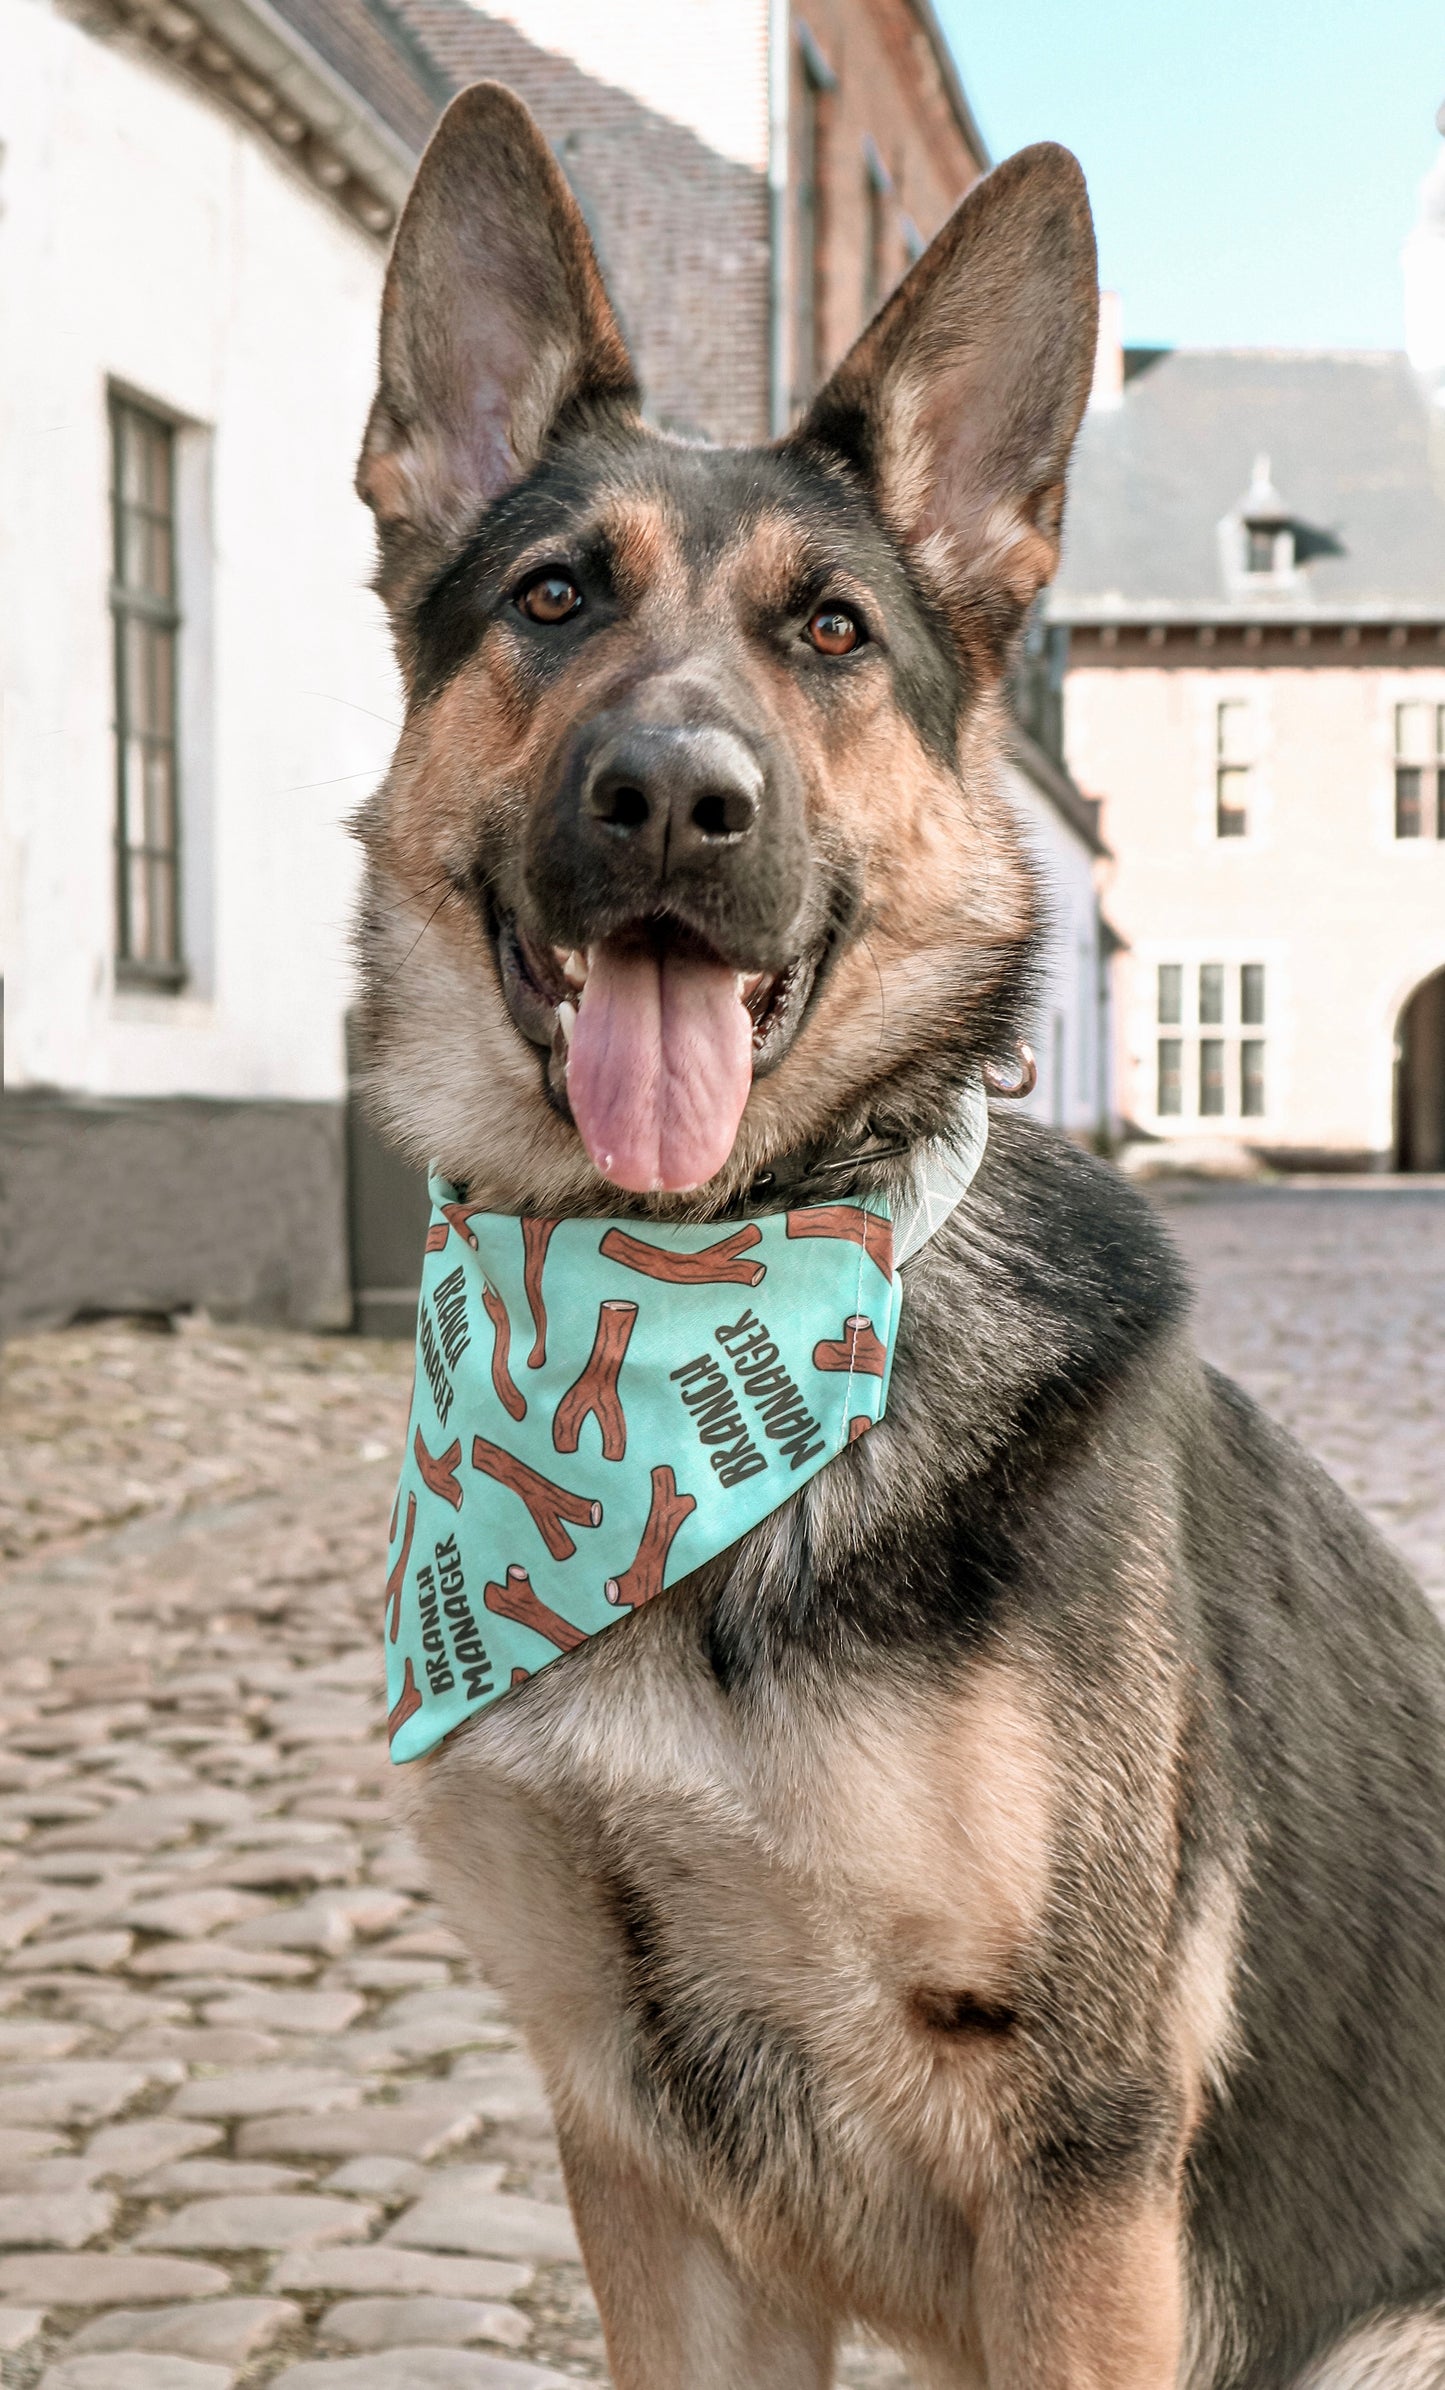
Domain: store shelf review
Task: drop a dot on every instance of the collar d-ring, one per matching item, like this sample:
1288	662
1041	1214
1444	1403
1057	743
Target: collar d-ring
999	1083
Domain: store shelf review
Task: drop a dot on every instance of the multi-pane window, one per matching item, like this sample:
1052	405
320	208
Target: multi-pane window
146	619
1233	762
1420	770
1205	1066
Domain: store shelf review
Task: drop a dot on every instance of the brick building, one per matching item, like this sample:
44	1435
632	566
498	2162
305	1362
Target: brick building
756	177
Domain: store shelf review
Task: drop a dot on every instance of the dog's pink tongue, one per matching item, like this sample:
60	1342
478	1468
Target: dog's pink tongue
660	1067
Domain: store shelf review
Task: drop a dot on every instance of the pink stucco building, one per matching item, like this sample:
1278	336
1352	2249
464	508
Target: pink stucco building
1253	592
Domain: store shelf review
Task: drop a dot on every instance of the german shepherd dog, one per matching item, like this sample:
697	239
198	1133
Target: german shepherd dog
1000	1902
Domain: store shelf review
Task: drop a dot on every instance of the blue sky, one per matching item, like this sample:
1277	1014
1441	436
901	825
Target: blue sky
1253	163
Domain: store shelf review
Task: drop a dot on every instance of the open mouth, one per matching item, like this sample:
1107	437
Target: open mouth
653	1042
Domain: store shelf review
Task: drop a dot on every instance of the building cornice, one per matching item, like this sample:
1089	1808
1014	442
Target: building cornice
1078	614
1359	637
246	55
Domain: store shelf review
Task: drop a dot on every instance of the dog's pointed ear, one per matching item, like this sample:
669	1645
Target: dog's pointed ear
494	323
959	404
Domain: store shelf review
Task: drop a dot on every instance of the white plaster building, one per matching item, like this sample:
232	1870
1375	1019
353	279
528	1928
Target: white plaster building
195	684
1253	590
192	212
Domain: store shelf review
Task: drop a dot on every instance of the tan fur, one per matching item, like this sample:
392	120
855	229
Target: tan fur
873	1907
948	885
821	1873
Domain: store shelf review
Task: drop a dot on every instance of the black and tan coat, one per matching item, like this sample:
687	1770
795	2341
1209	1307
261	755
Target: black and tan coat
1003	1900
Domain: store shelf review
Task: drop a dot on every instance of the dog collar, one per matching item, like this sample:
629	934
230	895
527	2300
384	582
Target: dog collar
601	1406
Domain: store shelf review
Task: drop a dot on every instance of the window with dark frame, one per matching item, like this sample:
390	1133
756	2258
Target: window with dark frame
875	235
1419	770
1251	1078
1171	1076
1211	1077
146	622
807	364
1233	763
1251	995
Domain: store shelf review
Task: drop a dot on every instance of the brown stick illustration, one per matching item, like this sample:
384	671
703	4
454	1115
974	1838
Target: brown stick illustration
857	1349
397	1579
858	1427
407	1704
519	1677
536	1237
509	1395
516	1600
643	1577
596	1389
395	1515
549	1504
440	1473
717	1265
851	1221
457	1216
436	1236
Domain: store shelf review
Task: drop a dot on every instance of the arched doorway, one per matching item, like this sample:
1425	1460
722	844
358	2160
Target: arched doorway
1420	1079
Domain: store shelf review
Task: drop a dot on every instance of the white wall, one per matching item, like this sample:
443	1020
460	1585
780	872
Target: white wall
1066	1032
145	238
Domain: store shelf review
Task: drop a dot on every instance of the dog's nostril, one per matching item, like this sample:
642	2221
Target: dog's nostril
620	805
724	813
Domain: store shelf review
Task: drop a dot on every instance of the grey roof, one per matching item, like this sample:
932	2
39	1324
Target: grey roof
1352	448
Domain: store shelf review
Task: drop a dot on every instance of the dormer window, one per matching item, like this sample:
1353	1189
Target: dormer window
1259	547
1265	529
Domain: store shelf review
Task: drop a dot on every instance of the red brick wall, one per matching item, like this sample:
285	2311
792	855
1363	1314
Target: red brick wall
682	232
888	92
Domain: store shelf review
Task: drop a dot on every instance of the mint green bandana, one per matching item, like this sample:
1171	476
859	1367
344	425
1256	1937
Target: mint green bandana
601	1406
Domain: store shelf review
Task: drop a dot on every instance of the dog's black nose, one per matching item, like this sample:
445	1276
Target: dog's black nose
674	793
660	810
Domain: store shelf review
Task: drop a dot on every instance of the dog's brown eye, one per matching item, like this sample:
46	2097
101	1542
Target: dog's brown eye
550	598
834	631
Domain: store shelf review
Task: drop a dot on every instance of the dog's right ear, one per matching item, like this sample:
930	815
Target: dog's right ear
494	323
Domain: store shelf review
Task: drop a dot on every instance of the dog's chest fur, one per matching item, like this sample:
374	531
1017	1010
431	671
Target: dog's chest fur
768	1872
733	1927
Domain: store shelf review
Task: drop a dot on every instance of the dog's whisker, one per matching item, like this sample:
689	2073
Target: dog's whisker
299	787
446	894
330	697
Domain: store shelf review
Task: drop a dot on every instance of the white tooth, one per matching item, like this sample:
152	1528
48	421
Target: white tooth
574	968
566	1020
740	985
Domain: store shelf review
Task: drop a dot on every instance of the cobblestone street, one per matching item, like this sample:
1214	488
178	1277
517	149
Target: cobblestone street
257	2125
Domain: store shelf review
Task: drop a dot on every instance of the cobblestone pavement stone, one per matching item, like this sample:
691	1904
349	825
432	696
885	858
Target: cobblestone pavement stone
257	2124
1328	1306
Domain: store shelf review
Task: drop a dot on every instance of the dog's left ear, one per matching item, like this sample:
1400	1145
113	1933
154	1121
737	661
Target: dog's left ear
960	402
